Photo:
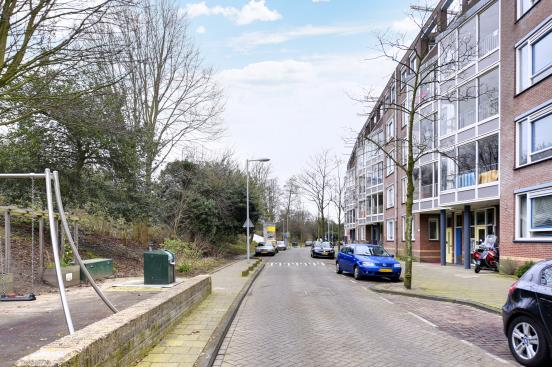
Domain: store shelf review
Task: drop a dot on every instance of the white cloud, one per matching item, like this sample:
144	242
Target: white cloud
290	109
201	29
320	1
254	10
254	39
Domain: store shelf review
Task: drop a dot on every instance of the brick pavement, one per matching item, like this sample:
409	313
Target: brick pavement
183	345
487	288
306	315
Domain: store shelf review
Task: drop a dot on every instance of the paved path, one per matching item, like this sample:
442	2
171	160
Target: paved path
300	313
182	346
486	288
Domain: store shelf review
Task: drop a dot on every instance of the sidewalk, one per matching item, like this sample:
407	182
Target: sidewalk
183	345
487	290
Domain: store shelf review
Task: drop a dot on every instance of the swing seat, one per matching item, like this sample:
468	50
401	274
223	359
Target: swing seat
17	298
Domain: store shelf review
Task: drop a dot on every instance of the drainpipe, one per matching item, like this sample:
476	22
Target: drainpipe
442	235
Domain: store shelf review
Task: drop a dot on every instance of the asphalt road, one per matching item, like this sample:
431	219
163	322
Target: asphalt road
299	312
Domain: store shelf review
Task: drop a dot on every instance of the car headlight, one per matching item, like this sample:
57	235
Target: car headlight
397	265
368	263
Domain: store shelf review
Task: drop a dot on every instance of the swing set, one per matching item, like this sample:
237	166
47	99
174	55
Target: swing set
5	266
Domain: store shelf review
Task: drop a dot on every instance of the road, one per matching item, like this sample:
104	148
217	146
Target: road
299	312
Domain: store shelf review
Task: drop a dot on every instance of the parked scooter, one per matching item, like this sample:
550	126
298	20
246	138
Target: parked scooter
486	255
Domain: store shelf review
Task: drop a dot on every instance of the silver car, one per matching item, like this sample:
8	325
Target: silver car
265	249
281	245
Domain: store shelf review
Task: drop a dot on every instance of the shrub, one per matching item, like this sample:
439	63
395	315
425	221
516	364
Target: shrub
523	268
184	268
507	267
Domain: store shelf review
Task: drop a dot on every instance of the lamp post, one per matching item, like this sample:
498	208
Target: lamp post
247	220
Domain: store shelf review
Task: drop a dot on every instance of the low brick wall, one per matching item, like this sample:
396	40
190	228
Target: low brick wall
123	338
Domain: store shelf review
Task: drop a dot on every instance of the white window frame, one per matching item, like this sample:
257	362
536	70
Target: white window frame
529	136
526	236
389	163
520	11
536	36
390	233
403	220
429	222
390	193
390	129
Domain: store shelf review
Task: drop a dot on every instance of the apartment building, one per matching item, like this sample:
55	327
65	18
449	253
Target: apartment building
488	136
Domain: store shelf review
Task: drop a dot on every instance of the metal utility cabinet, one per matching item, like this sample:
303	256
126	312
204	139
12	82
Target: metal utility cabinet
159	267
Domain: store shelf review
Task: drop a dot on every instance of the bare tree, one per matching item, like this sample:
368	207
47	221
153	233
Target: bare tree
338	194
417	75
172	99
291	191
272	193
315	182
44	39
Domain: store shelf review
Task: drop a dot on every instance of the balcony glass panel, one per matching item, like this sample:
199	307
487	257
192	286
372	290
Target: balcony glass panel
488	30
488	159
466	165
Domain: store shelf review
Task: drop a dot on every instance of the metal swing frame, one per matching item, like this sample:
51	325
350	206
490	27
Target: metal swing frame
49	176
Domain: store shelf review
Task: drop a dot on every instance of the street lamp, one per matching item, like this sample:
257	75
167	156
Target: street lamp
247	220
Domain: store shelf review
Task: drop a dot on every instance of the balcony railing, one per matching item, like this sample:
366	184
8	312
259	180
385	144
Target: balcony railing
465	178
488	43
488	173
429	191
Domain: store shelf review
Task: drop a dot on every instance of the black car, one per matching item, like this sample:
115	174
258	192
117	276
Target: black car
322	249
527	316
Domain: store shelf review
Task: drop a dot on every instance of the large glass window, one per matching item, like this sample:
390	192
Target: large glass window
534	215
466	105
534	139
488	30
390	196
523	6
433	230
426	188
488	95
390	230
448	55
428	135
488	159
448	116
390	163
466	165
416	181
467	42
542	53
448	173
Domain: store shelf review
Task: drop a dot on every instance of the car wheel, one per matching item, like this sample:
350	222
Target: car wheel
356	273
527	342
338	268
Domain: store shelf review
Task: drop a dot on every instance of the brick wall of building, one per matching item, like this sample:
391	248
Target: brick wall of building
513	105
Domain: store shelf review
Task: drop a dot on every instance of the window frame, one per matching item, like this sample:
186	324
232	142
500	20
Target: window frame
390	190
528	135
389	163
429	222
522	237
533	78
519	11
390	235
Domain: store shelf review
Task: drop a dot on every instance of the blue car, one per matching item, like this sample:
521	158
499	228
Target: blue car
367	260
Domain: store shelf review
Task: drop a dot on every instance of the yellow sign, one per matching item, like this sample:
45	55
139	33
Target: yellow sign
271	229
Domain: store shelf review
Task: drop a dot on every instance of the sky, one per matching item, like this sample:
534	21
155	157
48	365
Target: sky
290	70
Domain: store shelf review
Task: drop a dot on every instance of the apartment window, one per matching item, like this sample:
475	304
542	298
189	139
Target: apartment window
412	63
390	129
390	233
389	163
428	173
404	153
488	30
448	55
361	185
467	43
403	189
427	88
448	116
380	203
466	105
523	6
433	230
393	93
534	215
487	159
488	95
404	76
377	173
416	182
466	165
535	137
428	133
448	172
390	197
534	58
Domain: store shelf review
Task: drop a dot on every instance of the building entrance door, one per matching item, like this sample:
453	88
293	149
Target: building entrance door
449	246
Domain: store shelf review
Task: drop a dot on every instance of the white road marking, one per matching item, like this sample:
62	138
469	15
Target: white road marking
314	264
306	264
296	264
322	264
467	342
353	281
288	264
280	264
363	287
422	319
271	264
388	301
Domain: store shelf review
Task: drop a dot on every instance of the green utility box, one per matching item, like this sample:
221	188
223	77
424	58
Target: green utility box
98	268
159	267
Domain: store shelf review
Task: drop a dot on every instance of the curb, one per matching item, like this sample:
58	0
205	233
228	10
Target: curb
210	351
474	304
